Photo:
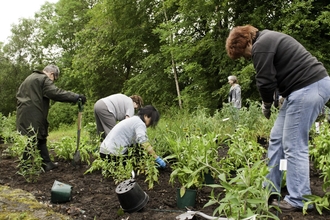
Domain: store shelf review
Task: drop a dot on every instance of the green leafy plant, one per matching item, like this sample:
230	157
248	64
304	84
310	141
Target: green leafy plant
319	202
243	148
116	169
67	145
16	145
121	168
320	155
7	127
244	194
190	155
145	164
31	166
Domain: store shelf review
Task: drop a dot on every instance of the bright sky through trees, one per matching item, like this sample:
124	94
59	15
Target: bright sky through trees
11	11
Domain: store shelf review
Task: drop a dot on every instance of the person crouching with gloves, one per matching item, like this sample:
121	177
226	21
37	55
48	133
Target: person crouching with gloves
132	132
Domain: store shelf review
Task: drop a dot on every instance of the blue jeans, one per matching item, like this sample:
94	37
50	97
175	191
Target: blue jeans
289	139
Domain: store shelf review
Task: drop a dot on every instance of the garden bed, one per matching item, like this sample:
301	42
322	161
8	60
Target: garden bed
94	198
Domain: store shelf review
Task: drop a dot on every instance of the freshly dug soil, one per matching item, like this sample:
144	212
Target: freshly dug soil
94	197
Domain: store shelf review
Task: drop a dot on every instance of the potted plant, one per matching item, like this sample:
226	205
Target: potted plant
192	158
190	181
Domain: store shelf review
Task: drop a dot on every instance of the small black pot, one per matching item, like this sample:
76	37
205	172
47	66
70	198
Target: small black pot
131	197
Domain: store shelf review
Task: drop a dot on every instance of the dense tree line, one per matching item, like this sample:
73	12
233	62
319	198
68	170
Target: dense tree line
171	52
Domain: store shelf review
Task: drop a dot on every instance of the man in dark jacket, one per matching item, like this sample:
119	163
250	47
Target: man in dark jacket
282	63
33	99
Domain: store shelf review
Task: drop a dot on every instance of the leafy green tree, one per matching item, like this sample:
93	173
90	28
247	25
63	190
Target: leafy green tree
59	24
308	22
7	84
116	39
171	52
14	65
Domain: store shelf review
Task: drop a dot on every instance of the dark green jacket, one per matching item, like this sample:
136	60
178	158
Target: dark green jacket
33	99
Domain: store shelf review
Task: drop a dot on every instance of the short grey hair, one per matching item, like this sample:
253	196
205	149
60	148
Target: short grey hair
52	69
232	78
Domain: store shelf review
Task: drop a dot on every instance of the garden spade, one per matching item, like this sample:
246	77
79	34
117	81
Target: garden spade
76	156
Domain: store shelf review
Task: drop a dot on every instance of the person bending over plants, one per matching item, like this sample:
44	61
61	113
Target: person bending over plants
132	132
111	109
282	62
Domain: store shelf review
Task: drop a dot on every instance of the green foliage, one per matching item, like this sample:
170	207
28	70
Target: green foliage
320	155
16	145
148	88
94	138
62	114
190	142
12	74
307	21
66	148
193	140
242	175
115	169
319	202
7	127
177	124
31	166
166	51
120	167
245	194
249	151
191	156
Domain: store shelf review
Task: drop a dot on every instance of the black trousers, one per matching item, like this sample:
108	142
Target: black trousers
41	146
136	153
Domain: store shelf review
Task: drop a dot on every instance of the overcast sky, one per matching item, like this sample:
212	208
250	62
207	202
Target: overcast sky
12	10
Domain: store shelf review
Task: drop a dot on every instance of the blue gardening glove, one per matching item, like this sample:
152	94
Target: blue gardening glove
266	109
160	162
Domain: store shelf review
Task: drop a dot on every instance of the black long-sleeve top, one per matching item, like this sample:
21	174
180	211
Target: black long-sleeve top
282	62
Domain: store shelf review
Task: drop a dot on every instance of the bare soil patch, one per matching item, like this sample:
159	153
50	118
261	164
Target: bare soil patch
94	197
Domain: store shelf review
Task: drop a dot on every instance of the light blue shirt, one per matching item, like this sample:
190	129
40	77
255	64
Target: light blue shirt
127	132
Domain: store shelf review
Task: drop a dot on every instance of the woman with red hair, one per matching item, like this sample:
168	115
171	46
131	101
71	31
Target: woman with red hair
282	63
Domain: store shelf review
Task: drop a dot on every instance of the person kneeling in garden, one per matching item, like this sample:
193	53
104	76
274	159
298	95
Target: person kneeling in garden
132	132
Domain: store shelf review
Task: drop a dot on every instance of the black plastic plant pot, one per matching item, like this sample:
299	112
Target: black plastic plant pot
131	197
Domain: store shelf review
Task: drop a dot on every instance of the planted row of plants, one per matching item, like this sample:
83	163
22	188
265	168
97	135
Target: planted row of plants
225	145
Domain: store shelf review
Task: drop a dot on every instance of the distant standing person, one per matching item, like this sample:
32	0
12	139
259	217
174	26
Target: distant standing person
282	62
132	132
234	96
114	108
33	99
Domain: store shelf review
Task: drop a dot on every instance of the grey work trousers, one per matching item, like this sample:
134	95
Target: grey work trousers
105	120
